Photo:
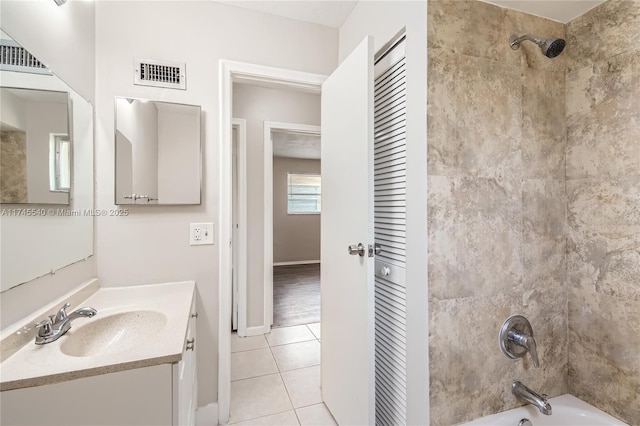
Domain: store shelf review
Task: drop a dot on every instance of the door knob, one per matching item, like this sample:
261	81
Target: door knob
356	249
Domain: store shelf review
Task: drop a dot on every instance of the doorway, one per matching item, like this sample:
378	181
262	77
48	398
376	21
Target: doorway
365	52
292	230
233	72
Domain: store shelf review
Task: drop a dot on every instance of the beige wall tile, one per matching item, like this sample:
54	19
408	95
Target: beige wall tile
615	77
475	238
474	116
453	26
606	210
13	167
543	124
469	376
603	191
603	362
544	233
603	32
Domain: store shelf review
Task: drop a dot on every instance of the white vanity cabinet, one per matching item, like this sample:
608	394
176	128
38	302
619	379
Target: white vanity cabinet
185	392
163	394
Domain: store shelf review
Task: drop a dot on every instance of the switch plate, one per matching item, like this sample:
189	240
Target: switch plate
201	234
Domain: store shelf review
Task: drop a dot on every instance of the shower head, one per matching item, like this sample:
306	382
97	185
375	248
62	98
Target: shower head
551	47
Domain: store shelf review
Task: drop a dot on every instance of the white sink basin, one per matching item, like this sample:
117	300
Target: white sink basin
113	333
136	327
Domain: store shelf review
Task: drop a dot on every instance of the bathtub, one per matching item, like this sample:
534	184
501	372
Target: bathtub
567	410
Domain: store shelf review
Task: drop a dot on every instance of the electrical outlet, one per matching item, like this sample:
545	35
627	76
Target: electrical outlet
200	234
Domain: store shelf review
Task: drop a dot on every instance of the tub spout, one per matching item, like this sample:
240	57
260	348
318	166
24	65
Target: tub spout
526	394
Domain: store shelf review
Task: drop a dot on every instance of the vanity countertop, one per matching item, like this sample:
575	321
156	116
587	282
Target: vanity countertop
36	365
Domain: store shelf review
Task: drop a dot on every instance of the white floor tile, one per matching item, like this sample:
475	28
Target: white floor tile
315	415
303	386
258	397
315	329
247	343
297	355
286	335
287	418
246	364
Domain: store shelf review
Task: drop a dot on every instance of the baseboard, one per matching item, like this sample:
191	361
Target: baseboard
297	262
207	415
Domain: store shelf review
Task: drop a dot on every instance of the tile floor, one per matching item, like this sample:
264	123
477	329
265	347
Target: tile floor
275	379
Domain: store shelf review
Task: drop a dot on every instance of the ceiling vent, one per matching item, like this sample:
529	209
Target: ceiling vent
14	57
149	72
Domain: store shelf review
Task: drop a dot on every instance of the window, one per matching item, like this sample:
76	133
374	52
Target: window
303	193
59	163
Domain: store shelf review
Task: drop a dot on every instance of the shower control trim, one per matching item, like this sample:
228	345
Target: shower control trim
516	339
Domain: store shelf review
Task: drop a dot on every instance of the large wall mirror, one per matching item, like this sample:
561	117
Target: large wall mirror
47	170
158	153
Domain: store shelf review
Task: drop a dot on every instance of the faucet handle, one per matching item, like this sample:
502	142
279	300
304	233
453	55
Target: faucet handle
62	313
44	327
526	341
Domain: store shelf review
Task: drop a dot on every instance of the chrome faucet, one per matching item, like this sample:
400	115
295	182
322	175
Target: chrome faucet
50	329
516	339
523	392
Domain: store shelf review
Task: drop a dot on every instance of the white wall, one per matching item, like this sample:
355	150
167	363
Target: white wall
296	237
384	19
124	177
151	244
178	149
138	123
43	118
257	105
61	37
14	111
145	148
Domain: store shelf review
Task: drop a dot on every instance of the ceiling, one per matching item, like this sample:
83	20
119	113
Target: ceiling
558	10
329	13
334	13
296	145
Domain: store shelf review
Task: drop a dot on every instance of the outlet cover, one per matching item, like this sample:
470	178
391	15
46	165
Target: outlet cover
201	234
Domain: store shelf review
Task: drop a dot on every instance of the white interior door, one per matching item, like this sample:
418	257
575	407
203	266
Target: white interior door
347	345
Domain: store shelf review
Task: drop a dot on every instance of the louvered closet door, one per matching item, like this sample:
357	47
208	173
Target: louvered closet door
390	234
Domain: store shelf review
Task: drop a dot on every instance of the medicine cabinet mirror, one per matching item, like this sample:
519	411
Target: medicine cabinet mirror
158	153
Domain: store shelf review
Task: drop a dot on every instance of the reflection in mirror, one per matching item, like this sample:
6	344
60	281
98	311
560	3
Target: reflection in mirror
35	148
39	239
158	152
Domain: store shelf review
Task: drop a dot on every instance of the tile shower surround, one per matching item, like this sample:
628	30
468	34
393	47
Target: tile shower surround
534	207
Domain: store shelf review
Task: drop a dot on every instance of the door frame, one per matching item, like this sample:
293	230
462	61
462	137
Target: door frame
270	126
240	262
239	72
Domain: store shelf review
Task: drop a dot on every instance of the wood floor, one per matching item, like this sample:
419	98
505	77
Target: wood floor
296	295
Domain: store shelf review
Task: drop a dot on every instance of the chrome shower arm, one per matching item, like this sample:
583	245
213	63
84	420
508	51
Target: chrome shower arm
514	41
